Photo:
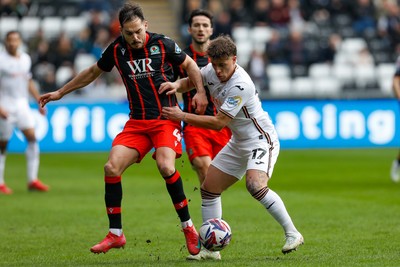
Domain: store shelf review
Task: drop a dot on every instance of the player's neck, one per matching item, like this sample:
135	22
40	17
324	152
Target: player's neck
200	48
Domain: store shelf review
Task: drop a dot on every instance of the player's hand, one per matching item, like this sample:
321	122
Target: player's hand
42	110
46	98
199	102
168	87
173	113
3	113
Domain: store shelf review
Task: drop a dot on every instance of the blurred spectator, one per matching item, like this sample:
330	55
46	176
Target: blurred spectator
41	53
279	15
114	26
275	49
90	5
328	53
17	8
296	49
215	7
98	20
256	69
81	43
295	14
389	23
101	42
239	13
260	13
222	24
363	13
64	51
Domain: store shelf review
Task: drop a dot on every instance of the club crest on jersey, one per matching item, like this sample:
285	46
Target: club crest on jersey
154	50
178	50
233	101
123	51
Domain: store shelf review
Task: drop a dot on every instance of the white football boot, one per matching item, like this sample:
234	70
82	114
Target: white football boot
205	254
394	171
293	241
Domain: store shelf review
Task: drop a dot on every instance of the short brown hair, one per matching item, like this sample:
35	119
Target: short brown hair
129	12
221	47
201	12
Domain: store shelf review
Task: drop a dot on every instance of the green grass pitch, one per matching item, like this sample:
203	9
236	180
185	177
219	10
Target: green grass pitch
342	201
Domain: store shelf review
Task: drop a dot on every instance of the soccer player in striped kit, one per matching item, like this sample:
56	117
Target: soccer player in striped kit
254	147
144	61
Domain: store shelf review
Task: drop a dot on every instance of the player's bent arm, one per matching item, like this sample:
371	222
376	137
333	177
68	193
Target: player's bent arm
194	75
217	122
33	90
179	86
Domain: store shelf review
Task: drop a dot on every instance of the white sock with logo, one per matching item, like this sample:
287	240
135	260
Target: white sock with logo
274	205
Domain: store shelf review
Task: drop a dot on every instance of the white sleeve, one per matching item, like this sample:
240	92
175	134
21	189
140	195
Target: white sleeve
237	97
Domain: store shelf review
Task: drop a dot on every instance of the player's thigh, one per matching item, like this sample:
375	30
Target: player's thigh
165	158
120	158
29	134
217	181
24	117
6	129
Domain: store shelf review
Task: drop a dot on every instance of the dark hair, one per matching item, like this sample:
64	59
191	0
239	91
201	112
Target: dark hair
221	47
129	12
12	32
200	12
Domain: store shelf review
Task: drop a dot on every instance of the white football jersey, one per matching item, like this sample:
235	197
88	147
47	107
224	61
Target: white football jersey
238	99
15	73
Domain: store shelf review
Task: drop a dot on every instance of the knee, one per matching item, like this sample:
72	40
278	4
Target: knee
165	169
111	170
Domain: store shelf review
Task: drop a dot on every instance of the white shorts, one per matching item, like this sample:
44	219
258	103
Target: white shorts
238	157
20	115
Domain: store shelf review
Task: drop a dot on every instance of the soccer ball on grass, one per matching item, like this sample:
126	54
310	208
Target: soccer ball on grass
215	234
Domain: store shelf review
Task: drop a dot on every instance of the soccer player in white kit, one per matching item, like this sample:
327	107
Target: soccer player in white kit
253	148
15	84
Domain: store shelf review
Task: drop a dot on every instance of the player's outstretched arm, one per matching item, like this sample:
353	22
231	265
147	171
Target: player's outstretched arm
81	80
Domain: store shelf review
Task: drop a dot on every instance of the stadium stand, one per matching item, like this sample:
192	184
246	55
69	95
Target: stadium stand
328	49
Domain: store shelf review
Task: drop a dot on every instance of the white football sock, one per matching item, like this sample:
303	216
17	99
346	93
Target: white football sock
32	159
116	231
187	223
2	167
274	205
211	208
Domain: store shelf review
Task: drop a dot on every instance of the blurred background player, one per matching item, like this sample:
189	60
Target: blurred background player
144	61
395	170
254	147
15	85
201	144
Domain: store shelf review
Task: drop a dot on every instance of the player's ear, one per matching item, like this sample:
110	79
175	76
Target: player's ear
145	24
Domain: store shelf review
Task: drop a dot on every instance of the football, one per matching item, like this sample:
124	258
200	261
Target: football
215	234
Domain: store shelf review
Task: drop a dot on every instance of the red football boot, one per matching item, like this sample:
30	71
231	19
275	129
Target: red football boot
37	185
109	242
192	240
